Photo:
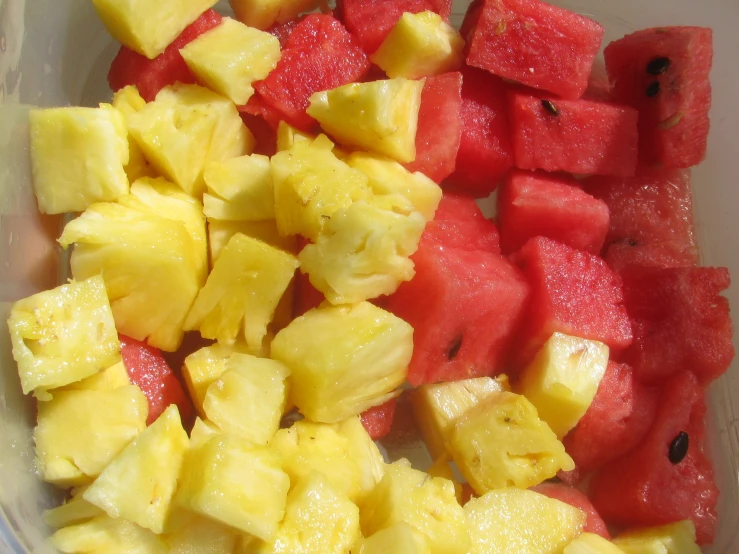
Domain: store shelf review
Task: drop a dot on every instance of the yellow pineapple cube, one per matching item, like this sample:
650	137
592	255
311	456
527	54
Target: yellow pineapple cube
204	367
128	101
401	538
501	442
344	359
230	57
437	407
139	483
428	504
115	377
148	28
202	432
73	511
242	292
563	378
248	399
518	521
343	452
200	535
675	538
287	136
240	189
420	45
77	157
220	232
63	335
380	116
590	543
236	484
108	535
262	14
311	184
72	447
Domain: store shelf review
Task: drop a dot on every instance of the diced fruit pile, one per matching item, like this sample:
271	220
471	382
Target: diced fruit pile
295	195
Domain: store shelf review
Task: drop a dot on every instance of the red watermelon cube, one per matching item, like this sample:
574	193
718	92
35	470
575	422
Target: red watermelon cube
534	43
680	322
377	421
576	136
441	104
576	498
664	73
667	477
169	67
459	223
282	31
572	292
534	204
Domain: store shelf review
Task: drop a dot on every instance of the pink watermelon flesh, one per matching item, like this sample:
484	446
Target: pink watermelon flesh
533	43
576	136
572	292
282	31
534	204
573	497
680	322
664	73
645	488
459	223
618	418
485	153
441	102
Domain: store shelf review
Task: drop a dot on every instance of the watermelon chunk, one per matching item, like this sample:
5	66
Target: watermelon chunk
680	321
572	292
282	31
618	418
319	55
151	76
664	73
377	421
534	204
485	151
441	103
459	223
573	497
534	43
645	488
577	136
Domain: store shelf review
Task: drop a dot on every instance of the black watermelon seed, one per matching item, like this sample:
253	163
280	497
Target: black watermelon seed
550	107
658	66
653	89
679	448
454	349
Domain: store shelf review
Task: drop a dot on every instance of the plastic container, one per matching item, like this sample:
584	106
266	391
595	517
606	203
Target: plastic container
56	53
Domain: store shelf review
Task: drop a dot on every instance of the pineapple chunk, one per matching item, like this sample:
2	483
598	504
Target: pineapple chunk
240	189
230	57
149	266
139	483
236	484
343	452
115	377
589	543
428	504
262	14
186	127
344	359
72	447
128	101
287	136
401	538
204	367
437	408
363	253
248	399
220	232
202	432
146	27
73	511
311	184
517	521
108	535
77	157
501	442
420	45
63	335
242	292
380	116
389	177
200	535
675	538
563	378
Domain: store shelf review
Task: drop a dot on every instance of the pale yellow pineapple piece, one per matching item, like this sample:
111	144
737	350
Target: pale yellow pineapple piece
146	27
262	14
220	232
201	535
401	538
186	127
437	407
248	399
343	452
311	184
202	432
380	116
242	292
501	442
78	433
128	101
139	483
235	484
114	377
675	538
63	335
283	314
149	264
73	511
344	359
563	378
518	521
240	189
230	57
107	535
420	45
287	136
428	504
590	543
